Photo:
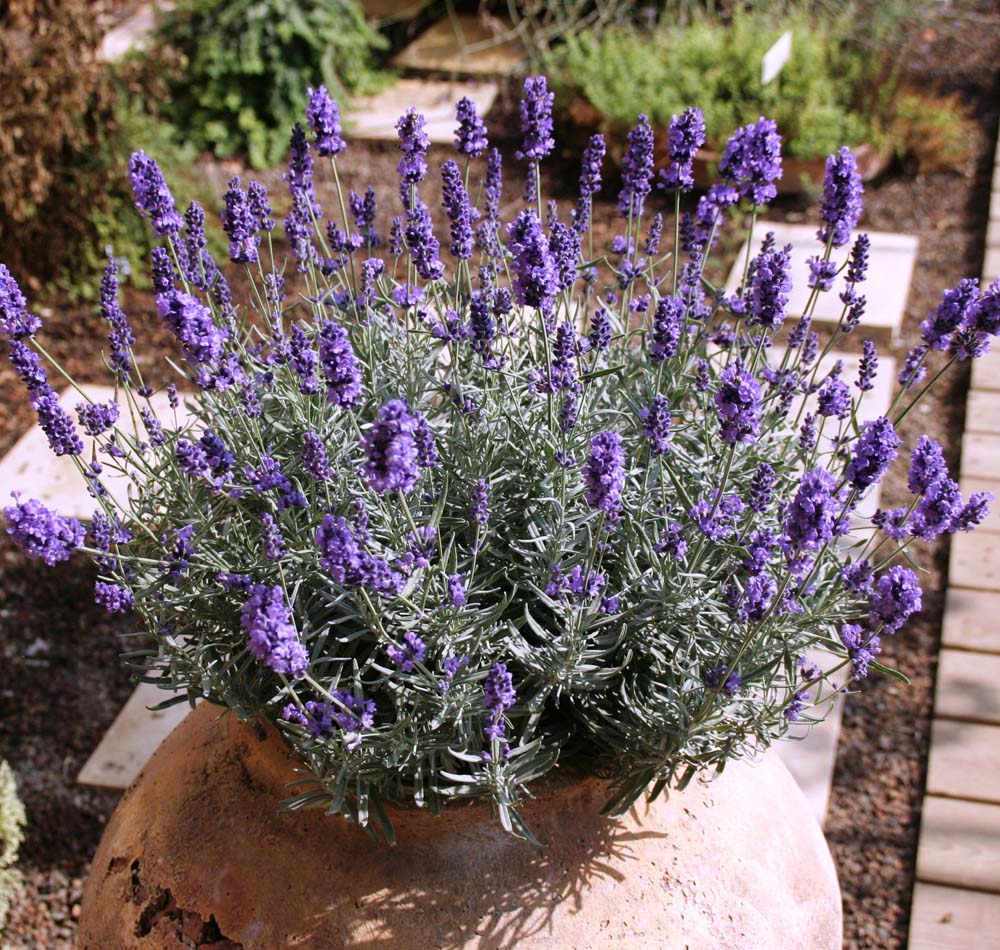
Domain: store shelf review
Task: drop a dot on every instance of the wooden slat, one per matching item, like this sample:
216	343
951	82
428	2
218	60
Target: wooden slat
975	561
946	918
967	687
964	760
986	369
960	844
981	455
972	620
982	412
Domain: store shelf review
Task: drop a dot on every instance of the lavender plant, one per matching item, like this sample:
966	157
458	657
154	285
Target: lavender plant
446	519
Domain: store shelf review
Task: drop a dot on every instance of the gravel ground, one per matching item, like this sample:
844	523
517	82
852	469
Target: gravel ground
61	684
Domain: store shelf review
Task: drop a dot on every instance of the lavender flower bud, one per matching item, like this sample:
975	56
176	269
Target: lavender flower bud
323	116
470	136
840	206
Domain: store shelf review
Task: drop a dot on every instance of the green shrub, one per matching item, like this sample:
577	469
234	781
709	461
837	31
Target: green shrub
12	819
246	67
624	72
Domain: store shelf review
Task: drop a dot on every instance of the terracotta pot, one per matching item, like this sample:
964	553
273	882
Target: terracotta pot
197	856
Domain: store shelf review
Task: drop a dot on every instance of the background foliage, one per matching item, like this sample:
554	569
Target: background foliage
246	66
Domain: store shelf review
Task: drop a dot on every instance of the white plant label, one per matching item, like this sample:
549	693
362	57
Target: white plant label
776	57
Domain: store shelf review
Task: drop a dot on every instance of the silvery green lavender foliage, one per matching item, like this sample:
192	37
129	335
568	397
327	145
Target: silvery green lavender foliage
455	506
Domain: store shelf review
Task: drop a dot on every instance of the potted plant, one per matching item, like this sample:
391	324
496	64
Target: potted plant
538	533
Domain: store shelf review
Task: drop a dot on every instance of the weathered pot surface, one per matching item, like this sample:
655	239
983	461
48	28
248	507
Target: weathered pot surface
196	855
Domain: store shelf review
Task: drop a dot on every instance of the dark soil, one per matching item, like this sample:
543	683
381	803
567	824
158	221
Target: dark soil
61	683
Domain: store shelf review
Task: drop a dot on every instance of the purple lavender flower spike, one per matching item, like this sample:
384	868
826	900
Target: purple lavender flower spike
323	116
422	244
413	143
600	329
976	510
460	212
668	320
457	597
874	451
240	224
751	161
57	424
536	279
822	273
15	321
97	417
913	370
762	488
42	533
739	403
896	596
152	195
479	507
272	542
604	473
536	120
28	366
114	598
470	136
938	511
637	170
956	307
927	465
868	367
391	449
340	366
840	206
769	290
121	339
590	182
834	397
191	322
564	246
811	520
498	696
314	457
260	207
412	652
684	137
656	425
271	636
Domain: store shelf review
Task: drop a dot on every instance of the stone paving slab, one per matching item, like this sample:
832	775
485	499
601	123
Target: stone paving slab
975	561
132	33
967	688
986	369
948	918
374	117
892	260
959	843
30	466
465	44
972	620
982	412
133	737
964	761
811	759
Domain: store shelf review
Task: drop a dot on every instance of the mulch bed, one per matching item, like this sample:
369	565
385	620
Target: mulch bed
61	683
